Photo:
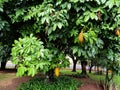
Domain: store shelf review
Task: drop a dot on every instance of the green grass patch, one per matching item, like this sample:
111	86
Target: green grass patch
117	80
69	72
96	77
93	76
4	76
60	83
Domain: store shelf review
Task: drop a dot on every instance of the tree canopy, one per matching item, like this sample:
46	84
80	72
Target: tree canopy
84	28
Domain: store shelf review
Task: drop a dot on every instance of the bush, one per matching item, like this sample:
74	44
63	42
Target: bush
61	83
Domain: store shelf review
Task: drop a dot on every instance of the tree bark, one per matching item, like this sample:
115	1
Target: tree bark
75	59
50	75
90	69
83	65
3	64
74	65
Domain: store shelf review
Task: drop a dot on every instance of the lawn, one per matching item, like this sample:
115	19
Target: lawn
4	76
11	76
92	75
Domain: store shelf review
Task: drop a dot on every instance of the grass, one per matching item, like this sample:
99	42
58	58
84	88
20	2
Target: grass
92	75
4	76
96	77
117	80
61	83
69	72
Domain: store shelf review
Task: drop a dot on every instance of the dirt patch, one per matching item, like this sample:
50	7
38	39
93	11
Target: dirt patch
90	87
13	82
9	81
89	84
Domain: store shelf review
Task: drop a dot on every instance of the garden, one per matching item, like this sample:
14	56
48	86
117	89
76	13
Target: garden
40	38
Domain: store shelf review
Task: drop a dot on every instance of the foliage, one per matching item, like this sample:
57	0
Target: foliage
69	72
6	35
53	19
64	83
4	52
31	56
59	23
93	76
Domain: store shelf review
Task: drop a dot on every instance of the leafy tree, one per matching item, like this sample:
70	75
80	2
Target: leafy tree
60	23
31	57
4	28
4	55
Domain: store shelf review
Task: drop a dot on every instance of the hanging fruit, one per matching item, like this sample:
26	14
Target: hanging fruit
109	71
117	31
81	37
57	72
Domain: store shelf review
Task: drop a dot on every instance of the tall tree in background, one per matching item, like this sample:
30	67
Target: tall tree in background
8	32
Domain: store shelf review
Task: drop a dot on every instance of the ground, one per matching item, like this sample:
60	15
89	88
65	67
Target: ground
12	82
89	84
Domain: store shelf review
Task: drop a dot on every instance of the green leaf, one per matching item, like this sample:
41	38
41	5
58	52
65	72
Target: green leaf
98	1
79	53
31	71
103	1
86	37
91	41
75	49
69	6
48	19
118	10
110	3
86	18
43	20
92	15
73	32
59	25
1	10
75	1
21	70
54	26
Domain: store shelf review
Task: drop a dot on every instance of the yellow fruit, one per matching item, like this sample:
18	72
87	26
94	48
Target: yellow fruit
57	72
117	32
81	37
109	71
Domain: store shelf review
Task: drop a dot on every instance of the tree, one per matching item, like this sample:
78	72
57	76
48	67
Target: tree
60	23
31	57
4	55
4	28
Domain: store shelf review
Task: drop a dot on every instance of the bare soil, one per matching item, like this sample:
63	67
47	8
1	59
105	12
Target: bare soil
13	82
89	84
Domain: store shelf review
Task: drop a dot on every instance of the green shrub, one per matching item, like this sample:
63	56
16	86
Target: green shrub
61	83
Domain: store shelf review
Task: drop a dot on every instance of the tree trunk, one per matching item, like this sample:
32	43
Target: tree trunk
3	64
75	59
107	81
50	75
98	69
90	69
74	65
83	64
